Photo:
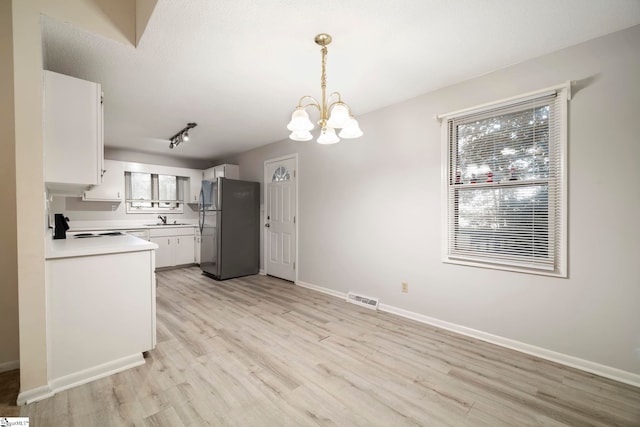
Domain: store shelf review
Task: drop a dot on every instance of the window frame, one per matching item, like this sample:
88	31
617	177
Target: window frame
155	191
559	238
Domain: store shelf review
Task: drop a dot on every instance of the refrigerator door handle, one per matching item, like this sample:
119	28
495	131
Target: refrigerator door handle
201	211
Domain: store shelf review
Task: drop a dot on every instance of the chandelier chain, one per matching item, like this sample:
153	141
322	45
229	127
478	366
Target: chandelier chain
323	84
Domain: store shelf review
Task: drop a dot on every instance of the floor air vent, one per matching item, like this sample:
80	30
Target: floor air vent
362	300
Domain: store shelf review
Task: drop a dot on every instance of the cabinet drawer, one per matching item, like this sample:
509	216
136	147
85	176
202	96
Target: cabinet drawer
171	231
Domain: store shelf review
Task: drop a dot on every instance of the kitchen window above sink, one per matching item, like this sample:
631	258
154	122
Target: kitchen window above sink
148	193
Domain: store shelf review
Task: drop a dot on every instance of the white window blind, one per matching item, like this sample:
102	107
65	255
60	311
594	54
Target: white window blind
505	184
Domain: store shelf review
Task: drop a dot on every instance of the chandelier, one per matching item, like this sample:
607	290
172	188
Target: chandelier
334	115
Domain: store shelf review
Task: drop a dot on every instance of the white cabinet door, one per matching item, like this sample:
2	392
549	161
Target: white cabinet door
209	174
195	181
165	252
227	171
218	172
184	250
222	171
112	187
175	245
73	134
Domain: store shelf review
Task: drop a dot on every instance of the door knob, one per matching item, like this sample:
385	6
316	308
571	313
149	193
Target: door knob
267	225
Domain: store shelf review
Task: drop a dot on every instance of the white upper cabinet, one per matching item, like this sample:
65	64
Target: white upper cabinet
195	181
73	132
112	187
222	171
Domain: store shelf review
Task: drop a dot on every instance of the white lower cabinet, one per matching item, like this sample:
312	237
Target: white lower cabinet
184	253
175	245
164	253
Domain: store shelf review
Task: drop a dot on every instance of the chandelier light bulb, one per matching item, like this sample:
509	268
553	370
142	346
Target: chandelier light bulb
339	116
328	136
185	136
351	130
300	121
304	135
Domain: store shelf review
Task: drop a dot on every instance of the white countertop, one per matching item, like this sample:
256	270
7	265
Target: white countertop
77	247
103	226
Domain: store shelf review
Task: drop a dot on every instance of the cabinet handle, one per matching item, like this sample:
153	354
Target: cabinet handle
168	241
178	240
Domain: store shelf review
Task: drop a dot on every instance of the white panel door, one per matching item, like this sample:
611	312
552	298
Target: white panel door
280	218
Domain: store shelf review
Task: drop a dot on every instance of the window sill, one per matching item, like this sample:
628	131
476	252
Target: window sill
177	210
560	273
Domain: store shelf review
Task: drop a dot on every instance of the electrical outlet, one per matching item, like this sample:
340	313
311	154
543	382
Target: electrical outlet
405	287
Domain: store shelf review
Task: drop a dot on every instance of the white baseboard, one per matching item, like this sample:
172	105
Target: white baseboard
262	272
543	353
79	378
34	395
327	291
96	372
9	366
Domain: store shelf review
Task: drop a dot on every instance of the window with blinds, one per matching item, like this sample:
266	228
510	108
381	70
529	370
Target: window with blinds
505	185
148	192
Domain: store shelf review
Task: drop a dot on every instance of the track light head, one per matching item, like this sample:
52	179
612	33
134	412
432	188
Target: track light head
181	136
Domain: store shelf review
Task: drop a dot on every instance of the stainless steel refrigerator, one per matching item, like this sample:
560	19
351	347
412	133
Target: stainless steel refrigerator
230	228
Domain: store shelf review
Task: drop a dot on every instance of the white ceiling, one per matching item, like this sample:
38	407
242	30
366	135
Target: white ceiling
238	68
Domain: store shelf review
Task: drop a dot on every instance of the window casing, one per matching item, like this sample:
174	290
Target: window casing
148	193
504	186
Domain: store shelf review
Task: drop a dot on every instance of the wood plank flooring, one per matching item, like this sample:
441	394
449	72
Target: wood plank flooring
258	351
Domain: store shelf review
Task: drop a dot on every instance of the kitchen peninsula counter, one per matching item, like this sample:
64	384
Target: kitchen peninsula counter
100	306
102	245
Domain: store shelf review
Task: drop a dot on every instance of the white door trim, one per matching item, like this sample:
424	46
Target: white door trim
265	181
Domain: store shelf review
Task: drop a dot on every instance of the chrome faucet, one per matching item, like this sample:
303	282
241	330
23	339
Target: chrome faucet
163	219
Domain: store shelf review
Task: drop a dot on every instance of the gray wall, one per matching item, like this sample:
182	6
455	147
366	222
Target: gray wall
168	159
8	238
370	211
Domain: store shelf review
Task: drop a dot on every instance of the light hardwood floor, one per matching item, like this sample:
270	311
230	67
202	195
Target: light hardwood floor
258	351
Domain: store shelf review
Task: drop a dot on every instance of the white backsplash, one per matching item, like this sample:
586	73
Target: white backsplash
83	214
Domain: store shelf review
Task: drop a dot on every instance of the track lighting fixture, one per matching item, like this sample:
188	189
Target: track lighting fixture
181	136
